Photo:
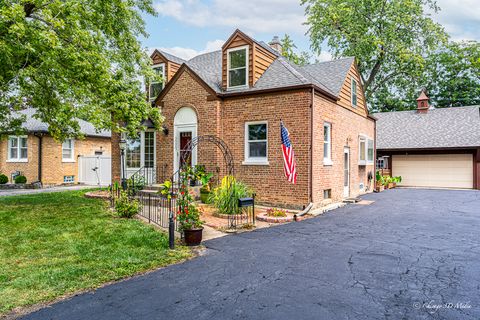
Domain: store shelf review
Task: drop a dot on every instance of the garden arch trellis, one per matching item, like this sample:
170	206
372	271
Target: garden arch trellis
234	220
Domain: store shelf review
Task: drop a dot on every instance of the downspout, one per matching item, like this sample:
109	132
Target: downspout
40	140
310	167
310	187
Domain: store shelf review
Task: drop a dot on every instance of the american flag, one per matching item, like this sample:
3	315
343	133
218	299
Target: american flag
289	163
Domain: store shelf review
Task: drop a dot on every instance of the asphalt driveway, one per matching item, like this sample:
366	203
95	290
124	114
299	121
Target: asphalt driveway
413	254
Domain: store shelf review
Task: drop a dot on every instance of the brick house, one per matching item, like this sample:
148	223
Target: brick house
240	93
40	158
431	147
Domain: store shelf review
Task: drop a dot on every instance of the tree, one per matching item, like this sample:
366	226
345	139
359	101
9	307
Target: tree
289	51
452	75
389	38
73	59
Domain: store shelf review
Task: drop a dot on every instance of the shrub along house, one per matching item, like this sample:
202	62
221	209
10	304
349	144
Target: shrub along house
431	147
239	94
40	158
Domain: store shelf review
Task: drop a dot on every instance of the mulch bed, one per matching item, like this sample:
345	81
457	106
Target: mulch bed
98	194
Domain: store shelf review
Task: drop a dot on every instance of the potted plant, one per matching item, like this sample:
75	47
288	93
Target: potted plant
379	182
188	215
205	190
388	182
396	180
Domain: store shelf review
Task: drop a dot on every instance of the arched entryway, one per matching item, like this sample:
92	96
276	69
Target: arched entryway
184	131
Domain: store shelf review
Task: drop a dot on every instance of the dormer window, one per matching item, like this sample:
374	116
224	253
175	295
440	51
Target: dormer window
155	85
237	67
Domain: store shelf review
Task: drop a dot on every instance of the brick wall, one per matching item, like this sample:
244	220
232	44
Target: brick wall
346	127
53	168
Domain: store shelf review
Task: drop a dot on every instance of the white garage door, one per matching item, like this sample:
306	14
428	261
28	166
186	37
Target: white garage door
437	170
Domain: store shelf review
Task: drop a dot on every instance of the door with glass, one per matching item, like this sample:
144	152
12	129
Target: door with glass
140	156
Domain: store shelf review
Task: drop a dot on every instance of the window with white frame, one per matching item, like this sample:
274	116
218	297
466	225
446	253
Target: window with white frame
67	151
68	179
362	152
237	67
354	92
17	149
134	152
370	151
365	150
327	143
157	85
256	143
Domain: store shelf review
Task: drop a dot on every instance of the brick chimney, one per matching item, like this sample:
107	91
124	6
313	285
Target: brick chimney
422	102
275	44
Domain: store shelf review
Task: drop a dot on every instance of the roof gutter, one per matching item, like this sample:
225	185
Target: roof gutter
269	90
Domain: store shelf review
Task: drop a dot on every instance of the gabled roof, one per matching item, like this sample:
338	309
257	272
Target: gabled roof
32	125
455	127
168	56
327	77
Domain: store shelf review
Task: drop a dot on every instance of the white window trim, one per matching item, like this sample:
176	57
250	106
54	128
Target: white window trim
365	161
17	159
254	161
327	161
352	92
72	158
247	57
370	162
154	82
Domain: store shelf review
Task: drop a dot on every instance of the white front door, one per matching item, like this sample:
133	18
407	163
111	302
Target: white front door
346	172
183	135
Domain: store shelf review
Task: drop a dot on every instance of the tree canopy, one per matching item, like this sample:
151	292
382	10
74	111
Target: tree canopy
290	51
72	59
390	38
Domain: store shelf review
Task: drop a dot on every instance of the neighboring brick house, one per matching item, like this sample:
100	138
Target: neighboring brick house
40	158
431	147
240	94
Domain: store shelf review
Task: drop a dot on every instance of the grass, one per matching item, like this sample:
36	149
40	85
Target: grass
53	244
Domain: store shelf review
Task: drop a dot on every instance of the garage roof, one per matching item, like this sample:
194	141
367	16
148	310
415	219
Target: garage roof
456	127
32	124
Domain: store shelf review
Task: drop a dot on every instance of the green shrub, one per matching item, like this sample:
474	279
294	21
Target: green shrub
20	179
225	197
3	179
126	207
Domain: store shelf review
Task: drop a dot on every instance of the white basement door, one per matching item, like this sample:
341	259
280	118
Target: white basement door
435	170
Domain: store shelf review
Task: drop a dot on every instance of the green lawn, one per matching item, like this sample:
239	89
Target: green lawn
53	244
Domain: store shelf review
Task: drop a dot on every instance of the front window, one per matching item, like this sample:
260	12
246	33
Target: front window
362	160
67	151
17	149
327	143
370	151
133	152
237	67
68	179
256	142
149	149
354	92
157	85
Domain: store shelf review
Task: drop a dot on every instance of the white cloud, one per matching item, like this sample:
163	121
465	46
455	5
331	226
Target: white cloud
188	53
324	56
461	18
280	16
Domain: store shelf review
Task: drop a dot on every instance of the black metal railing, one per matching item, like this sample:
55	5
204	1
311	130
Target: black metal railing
145	176
156	208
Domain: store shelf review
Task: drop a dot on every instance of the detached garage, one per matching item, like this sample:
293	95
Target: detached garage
430	147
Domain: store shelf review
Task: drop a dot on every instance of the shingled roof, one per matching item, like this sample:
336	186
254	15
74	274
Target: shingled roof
34	125
456	127
329	76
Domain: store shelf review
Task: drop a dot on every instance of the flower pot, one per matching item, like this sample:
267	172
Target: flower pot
390	185
193	237
193	183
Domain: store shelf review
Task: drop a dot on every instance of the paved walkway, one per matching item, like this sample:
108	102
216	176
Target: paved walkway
412	254
14	192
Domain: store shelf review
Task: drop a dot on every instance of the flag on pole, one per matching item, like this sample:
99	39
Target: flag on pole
289	163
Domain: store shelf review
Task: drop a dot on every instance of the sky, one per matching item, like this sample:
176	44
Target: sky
187	28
